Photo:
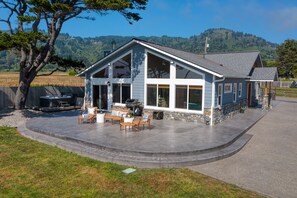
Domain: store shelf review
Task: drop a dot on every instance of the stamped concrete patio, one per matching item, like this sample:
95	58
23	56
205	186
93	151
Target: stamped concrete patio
168	143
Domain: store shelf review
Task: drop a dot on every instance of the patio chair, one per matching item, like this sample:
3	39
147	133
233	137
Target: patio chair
89	116
145	120
130	123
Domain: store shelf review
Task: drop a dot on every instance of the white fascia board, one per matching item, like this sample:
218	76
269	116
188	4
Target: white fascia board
106	57
180	59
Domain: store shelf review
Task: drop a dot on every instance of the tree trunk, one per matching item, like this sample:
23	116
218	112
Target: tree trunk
21	95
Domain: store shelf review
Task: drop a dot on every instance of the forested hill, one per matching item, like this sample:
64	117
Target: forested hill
92	49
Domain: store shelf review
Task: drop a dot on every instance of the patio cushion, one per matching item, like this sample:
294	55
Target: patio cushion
114	113
91	110
145	117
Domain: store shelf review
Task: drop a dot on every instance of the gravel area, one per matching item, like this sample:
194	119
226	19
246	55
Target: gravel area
11	118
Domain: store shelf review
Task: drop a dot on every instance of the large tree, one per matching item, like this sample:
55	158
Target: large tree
287	58
24	19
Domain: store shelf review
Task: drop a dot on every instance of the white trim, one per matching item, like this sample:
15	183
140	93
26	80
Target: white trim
227	84
92	74
108	56
180	59
213	89
172	82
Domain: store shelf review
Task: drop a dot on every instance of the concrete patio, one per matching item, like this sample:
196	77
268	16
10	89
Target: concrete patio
168	143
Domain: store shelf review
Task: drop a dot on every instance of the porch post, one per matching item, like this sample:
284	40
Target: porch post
265	103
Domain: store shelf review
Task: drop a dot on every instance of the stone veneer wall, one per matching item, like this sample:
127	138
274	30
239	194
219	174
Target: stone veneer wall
228	111
220	113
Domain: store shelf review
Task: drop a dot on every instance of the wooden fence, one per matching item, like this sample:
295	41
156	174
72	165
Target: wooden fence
7	94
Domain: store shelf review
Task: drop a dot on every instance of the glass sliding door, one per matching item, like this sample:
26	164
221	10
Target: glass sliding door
102	101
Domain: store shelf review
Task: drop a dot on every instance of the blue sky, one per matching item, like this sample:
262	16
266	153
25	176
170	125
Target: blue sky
273	20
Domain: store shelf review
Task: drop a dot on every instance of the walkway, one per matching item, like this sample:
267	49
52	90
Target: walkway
268	163
167	144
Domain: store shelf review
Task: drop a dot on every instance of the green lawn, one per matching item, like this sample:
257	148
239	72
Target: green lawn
287	92
32	169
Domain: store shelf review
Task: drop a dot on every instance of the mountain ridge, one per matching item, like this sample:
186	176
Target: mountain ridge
91	49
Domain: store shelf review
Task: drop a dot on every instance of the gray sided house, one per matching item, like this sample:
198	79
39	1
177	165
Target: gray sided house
183	85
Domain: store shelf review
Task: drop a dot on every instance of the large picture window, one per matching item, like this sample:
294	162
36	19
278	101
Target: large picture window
183	73
195	98
103	73
121	92
163	96
151	95
157	67
188	97
181	96
158	95
122	68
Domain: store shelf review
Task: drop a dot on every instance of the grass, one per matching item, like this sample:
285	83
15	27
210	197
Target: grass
287	92
10	79
32	169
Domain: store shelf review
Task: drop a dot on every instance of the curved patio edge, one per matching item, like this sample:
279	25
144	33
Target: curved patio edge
143	161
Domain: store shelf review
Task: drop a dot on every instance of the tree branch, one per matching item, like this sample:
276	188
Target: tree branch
53	71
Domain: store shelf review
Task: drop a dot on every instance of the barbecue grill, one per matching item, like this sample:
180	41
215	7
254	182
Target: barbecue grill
135	106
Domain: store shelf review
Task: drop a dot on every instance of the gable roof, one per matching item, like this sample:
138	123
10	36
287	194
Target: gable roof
209	63
241	62
264	74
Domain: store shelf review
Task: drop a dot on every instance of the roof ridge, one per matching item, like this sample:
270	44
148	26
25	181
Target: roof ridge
237	52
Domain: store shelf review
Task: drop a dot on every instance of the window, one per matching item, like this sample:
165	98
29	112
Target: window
234	92
240	90
122	68
163	96
195	97
228	88
182	73
121	92
181	96
158	95
103	73
188	97
157	67
151	95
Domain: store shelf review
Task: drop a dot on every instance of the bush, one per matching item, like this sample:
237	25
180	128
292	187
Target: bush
72	73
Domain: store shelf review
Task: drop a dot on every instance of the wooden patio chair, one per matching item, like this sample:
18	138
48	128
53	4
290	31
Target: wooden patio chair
145	120
89	116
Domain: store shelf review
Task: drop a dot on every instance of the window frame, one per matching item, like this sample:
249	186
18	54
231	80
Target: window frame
121	93
119	58
239	90
234	92
172	81
226	85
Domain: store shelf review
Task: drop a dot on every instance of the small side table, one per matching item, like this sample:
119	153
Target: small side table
100	117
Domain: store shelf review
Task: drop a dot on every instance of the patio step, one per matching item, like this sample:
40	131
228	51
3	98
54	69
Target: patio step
137	159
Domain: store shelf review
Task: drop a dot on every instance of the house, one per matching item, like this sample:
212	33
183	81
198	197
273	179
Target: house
181	84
